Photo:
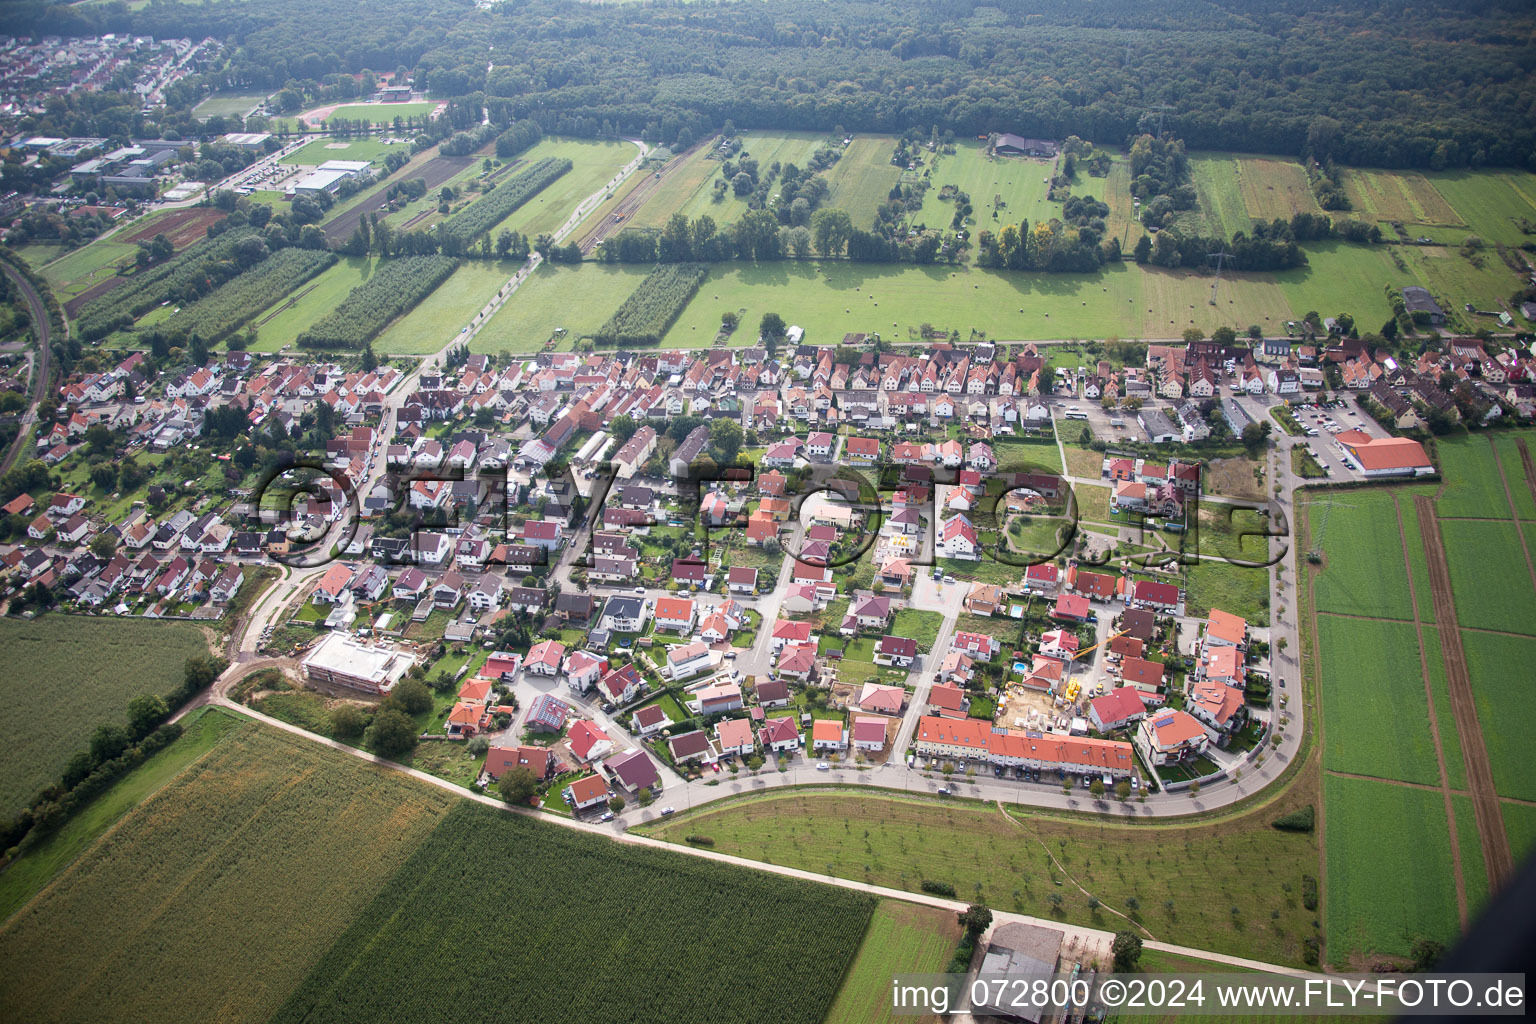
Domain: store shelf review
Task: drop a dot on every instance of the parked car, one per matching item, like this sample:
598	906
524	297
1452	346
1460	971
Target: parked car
607	816
668	810
823	766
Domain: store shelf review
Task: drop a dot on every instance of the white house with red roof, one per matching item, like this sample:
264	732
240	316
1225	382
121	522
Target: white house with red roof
650	719
868	733
1042	578
675	614
1169	736
621	685
1060	643
545	658
591	791
896	651
786	631
588	742
1160	597
333	584
1216	706
1117	709
797	661
582	669
734	737
958	538
977	645
779	735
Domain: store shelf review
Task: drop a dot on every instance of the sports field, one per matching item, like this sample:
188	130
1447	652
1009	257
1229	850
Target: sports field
580	299
224	887
69	674
903	938
321	150
1408	892
1004	189
380	113
283	321
439	317
228	103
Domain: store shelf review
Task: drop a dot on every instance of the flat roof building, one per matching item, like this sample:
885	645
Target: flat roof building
341	660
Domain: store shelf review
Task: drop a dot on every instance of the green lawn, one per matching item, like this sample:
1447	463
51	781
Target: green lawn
70	674
1376	715
1489	576
1232	588
999	860
24	877
862	177
1221	212
903	938
381	113
1500	668
1408	890
1030	453
321	150
580	299
438	318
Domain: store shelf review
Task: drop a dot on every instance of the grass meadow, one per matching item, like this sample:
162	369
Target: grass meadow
438	318
1375	714
580	299
903	938
224	887
862	177
1003	189
1181	875
1390	874
280	323
593	165
70	674
1241	590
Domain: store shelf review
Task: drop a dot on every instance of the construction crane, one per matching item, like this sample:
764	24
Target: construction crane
1085	650
1220	258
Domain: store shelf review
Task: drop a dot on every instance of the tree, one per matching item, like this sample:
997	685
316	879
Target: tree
976	919
411	696
517	786
771	326
1122	789
392	733
107	742
1143	250
1096	787
145	712
1193	335
103	545
348	720
645	796
832	228
616	803
1194	788
1126	950
1254	436
725	437
1426	953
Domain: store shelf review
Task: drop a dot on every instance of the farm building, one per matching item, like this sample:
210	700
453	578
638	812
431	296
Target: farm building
1384	456
1007	144
1418	300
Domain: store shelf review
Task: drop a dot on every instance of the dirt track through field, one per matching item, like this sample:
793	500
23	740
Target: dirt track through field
1458	869
648	186
1485	800
1529	467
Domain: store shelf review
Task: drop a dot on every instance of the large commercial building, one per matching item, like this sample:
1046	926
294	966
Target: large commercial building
341	660
329	176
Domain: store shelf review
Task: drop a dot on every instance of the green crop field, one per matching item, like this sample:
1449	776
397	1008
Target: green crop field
1507	444
1520	826
224	887
1445	718
1489	575
70	674
1004	190
321	150
593	165
862	177
1492	204
1241	590
228	104
440	316
1376	715
1474	869
1341	276
1409	889
580	299
999	860
653	911
381	113
284	321
1500	667
1472	485
1363	571
1417	566
1274	188
24	878
903	938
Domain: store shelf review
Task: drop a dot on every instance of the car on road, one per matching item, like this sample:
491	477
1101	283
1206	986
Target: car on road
730	655
943	791
668	810
640	591
607	816
823	766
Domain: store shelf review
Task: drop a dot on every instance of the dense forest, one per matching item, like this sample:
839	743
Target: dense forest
1368	82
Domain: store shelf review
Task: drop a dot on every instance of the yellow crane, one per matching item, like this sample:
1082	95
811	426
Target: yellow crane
1085	650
